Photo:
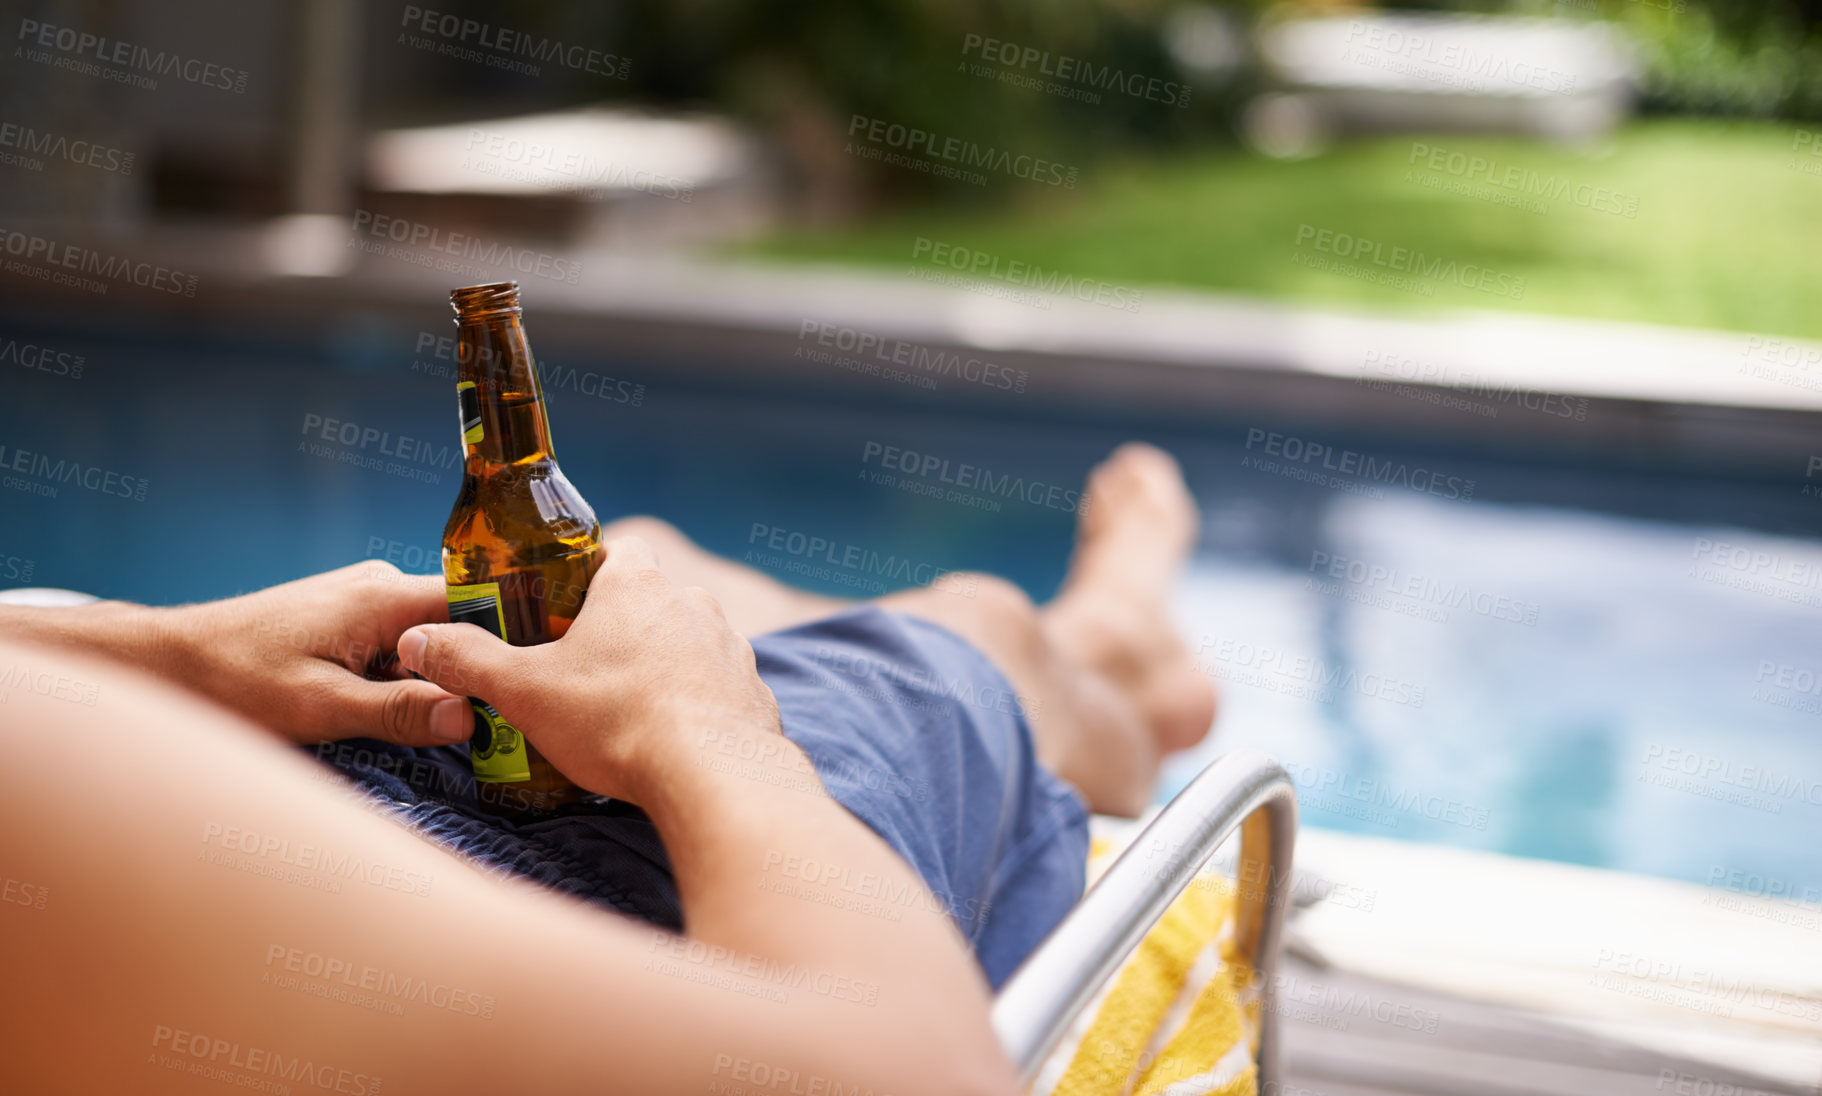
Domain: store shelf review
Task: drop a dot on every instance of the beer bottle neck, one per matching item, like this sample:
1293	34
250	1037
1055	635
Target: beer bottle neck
503	420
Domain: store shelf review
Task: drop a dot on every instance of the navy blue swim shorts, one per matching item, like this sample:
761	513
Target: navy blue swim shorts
909	727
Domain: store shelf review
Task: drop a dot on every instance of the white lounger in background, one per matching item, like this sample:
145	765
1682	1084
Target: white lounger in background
48	597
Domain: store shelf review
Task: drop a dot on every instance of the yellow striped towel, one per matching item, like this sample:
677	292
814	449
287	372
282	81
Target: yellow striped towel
1179	1018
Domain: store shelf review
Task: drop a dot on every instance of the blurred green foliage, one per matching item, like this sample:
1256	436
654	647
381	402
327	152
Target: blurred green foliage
901	59
1748	57
1759	58
802	72
1670	241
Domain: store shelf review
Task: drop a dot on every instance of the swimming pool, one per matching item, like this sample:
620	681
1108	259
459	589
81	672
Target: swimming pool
1611	665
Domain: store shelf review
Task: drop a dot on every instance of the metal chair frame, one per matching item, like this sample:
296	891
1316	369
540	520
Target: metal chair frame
1246	790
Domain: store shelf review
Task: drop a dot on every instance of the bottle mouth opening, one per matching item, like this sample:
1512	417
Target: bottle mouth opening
478	302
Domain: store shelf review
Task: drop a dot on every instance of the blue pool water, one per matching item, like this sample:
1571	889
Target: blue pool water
1575	665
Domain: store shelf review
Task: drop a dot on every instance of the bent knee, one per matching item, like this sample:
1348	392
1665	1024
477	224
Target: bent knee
1000	614
657	532
995	596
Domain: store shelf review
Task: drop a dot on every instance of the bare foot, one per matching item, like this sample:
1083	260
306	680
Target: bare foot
1134	535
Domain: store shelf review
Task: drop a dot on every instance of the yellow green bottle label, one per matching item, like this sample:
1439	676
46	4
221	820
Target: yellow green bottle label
470	398
496	748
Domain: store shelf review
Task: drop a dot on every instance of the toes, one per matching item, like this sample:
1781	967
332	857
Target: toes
1143	456
1140	479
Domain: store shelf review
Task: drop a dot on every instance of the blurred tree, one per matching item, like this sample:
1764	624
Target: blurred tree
1744	57
803	73
1754	57
806	72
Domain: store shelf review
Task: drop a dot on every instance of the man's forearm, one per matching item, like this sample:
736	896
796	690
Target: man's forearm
741	824
135	634
892	963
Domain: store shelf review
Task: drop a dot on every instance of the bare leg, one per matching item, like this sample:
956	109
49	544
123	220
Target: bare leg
755	602
1087	730
1106	683
1112	613
1111	687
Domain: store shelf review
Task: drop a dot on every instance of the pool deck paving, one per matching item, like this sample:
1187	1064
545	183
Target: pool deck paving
1543	978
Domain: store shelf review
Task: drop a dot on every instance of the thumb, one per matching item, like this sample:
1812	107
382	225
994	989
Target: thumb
410	713
463	659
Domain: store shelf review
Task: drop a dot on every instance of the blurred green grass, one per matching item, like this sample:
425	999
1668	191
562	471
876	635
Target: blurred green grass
1725	233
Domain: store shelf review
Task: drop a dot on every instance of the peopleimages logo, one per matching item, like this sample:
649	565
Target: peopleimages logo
1358	1003
1329	787
1785	686
1452	64
45	684
444	363
41	359
955	150
815	556
1782	352
1755	885
325	864
1740	780
17	892
1350	248
984	264
219	1060
361	978
1651	976
1074	70
459	34
45	474
1422	589
1757	562
130	64
1403	368
16	568
752	1078
1522	182
381	442
971	477
1349	462
506	156
1298	675
758	974
919	361
461	245
27	142
28	250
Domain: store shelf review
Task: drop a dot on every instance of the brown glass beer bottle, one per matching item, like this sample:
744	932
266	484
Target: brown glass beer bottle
521	543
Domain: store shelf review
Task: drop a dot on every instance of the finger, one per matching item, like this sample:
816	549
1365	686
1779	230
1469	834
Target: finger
464	660
367	606
409	713
397	601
